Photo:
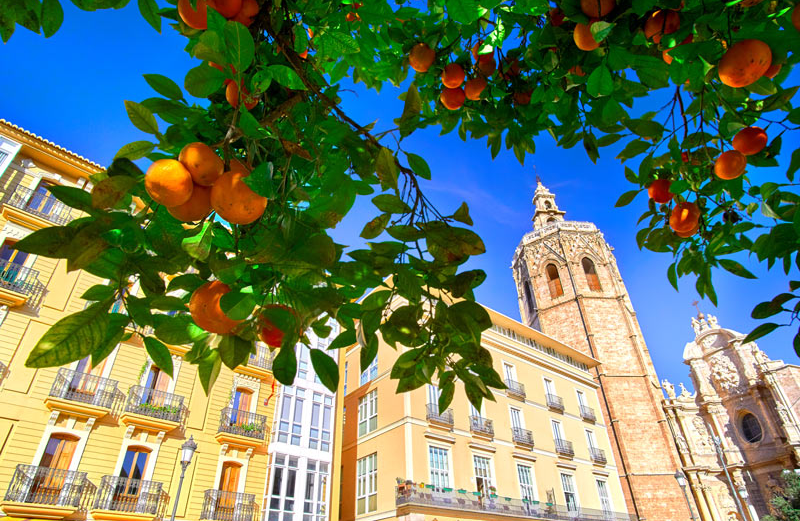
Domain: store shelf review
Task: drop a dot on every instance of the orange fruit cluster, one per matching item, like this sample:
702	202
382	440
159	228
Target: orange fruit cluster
659	191
746	142
685	219
242	11
194	184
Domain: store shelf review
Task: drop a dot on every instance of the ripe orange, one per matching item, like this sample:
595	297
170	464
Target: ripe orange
522	98
168	182
270	334
659	191
233	200
685	216
744	63
690	232
597	8
195	18
487	67
730	164
452	76
247	13
665	53
197	207
660	23
577	70
796	17
773	70
750	140
556	16
202	162
206	311
232	95
352	17
583	37
227	8
421	57
474	88
452	99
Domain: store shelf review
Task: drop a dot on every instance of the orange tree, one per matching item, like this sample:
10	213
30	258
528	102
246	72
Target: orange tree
227	232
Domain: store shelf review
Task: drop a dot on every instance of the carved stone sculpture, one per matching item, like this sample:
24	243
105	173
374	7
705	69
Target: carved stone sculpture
669	388
723	373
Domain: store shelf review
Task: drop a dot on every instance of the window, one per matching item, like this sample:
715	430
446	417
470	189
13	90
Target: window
549	388
510	372
433	395
591	274
581	399
368	413
367	484
320	433
290	425
751	428
316	493
242	399
282	488
371	372
570	496
483	474
440	469
135	463
558	434
605	498
59	451
11	255
591	440
302	361
554	281
526	484
516	419
345	378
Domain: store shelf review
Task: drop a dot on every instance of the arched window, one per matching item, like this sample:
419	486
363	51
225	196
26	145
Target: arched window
554	281
591	274
751	428
548	205
242	398
59	451
228	486
551	219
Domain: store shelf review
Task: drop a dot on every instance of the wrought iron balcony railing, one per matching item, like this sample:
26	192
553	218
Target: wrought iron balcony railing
598	455
481	425
243	423
445	417
522	436
219	505
156	404
46	486
515	388
410	495
564	447
85	388
587	413
262	358
135	496
554	401
42	205
20	279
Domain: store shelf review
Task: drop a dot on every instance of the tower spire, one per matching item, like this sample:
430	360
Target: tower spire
545	209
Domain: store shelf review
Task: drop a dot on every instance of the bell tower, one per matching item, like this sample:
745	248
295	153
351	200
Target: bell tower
570	288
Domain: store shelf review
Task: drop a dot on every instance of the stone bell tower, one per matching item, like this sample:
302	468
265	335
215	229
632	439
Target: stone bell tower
570	288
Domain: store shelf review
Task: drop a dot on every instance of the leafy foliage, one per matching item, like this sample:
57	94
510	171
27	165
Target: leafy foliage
785	504
311	161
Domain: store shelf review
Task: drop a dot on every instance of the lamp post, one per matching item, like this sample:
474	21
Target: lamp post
187	451
681	479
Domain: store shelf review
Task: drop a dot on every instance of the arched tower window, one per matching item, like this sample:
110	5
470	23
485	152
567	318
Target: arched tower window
554	281
591	274
548	205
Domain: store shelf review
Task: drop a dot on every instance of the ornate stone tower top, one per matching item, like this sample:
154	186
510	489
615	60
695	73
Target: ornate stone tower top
545	209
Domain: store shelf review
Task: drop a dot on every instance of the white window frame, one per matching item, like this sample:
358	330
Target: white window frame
370	373
520	416
509	371
574	491
549	386
368	413
489	470
445	477
558	431
607	497
367	482
591	439
581	398
531	486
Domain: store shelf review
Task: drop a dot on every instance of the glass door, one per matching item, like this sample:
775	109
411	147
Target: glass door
126	493
483	475
52	473
570	496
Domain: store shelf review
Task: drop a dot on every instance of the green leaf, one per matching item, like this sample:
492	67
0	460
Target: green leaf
238	304
633	149
163	85
108	192
99	292
626	198
326	368
208	369
260	180
117	322
762	330
159	354
72	338
199	244
234	351
286	76
335	44
178	329
141	117
50	242
346	338
736	268
374	228
149	10
600	82
284	367
240	48
386	168
463	11
203	81
390	204
462	214
52	17
418	165
135	150
72	196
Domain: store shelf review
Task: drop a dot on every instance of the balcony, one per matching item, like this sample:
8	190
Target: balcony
564	447
42	492
555	402
152	409
444	419
241	428
81	394
598	456
515	389
43	206
587	413
259	365
481	426
18	284
412	499
522	436
228	506
121	499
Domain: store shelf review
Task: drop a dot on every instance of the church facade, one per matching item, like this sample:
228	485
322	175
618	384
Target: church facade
740	429
569	287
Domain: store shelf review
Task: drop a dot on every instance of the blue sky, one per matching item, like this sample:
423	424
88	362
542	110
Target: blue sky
70	89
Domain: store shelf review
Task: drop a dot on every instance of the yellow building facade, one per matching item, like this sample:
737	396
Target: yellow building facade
540	451
104	442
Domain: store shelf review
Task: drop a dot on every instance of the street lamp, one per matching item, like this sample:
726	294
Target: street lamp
681	479
187	451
